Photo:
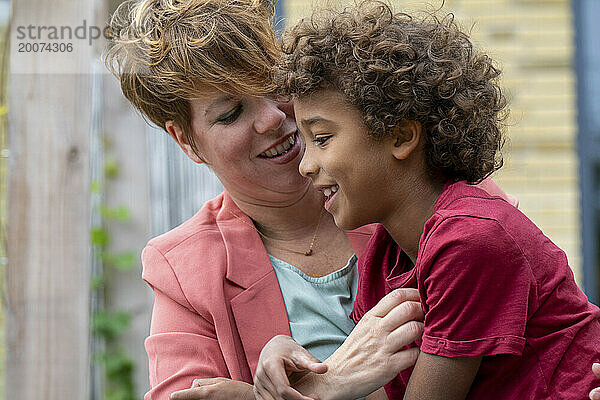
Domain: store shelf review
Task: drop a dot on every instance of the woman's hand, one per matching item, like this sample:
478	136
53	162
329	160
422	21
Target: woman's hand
374	352
595	394
369	358
215	389
283	360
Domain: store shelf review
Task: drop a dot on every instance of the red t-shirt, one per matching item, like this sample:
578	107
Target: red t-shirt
492	285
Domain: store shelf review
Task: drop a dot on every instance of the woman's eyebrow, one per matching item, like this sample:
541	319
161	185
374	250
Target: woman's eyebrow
223	99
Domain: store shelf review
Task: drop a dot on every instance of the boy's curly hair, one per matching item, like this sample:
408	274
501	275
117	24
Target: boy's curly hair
394	67
165	51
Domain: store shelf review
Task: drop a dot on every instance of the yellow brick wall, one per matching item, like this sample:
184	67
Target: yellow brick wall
532	40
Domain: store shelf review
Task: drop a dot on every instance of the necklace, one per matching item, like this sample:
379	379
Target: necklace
312	242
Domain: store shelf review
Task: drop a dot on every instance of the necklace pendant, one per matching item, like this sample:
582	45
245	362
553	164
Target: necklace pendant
308	252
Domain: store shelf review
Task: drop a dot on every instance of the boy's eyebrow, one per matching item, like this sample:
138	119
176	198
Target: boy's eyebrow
314	120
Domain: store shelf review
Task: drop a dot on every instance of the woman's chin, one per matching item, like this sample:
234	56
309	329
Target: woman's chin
292	189
288	181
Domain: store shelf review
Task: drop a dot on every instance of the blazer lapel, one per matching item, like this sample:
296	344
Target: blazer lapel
259	310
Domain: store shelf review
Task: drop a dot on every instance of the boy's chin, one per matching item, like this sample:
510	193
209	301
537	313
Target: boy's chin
346	223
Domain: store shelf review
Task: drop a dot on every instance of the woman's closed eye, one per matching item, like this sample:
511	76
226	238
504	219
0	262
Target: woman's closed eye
320	140
231	115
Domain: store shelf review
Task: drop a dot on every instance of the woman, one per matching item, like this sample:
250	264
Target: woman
225	280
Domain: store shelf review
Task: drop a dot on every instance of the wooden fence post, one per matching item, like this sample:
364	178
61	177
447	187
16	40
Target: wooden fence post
48	274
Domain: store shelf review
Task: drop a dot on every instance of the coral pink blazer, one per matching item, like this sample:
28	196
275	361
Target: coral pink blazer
216	299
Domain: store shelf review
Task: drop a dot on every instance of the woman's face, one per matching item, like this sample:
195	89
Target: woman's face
343	161
252	145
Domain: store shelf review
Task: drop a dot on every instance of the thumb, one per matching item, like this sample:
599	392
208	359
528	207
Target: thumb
302	360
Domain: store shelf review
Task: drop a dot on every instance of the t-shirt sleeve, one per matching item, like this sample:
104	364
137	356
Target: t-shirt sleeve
475	284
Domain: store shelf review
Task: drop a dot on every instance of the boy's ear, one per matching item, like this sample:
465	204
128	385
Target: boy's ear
406	138
177	134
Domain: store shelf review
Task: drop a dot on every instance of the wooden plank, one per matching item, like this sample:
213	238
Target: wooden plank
49	214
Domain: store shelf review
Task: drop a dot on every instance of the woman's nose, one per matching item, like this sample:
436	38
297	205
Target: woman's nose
269	116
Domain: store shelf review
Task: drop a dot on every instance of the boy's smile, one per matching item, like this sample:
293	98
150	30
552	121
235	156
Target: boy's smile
344	162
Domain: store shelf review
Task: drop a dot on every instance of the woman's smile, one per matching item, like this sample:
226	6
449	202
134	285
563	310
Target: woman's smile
284	150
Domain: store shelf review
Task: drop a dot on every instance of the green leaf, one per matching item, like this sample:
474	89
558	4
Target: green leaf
120	394
111	168
110	325
115	214
97	283
96	187
99	357
107	143
118	366
99	237
119	369
123	262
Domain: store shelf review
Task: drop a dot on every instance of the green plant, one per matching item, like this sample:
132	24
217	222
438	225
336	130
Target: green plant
111	325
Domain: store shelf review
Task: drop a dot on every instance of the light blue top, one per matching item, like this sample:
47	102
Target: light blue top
318	308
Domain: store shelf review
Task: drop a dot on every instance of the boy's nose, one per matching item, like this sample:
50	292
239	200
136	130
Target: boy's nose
308	167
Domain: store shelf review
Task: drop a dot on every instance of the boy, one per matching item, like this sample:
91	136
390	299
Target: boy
399	115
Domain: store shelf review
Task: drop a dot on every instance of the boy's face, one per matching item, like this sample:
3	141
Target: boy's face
343	161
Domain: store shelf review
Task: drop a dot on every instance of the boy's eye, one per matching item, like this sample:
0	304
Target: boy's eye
320	140
230	116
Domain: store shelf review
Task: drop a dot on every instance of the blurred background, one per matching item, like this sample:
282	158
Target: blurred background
85	181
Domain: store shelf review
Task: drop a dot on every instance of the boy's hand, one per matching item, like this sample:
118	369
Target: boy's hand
595	394
372	355
283	360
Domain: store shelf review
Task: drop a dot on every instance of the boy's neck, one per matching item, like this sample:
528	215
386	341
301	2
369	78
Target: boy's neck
405	224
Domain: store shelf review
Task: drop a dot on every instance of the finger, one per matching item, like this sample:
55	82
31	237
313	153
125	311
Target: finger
271	372
596	369
404	359
264	392
318	368
391	300
199	382
188	394
277	383
275	376
403	313
405	335
595	394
